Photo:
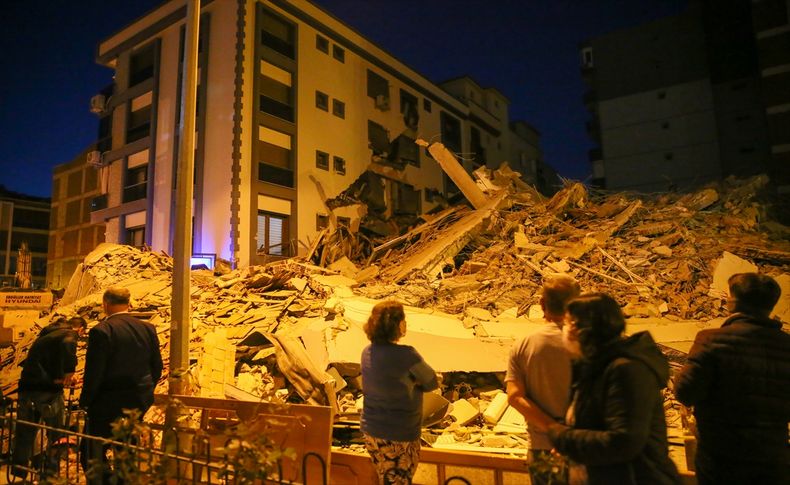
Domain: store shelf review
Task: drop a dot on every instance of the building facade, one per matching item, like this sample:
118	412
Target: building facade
301	122
24	219
72	236
677	102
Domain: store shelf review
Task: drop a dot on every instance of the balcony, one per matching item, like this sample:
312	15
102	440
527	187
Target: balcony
275	175
135	192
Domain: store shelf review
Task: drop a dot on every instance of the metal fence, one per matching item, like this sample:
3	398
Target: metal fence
153	454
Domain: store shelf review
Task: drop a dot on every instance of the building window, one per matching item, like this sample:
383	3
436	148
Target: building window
273	234
278	34
339	53
276	91
274	157
405	200
587	57
379	90
321	221
339	108
322	160
409	110
135	236
339	164
343	222
135	183
451	132
378	139
322	44
322	100
141	65
139	121
476	146
426	105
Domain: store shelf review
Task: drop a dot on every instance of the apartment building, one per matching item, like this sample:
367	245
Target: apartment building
771	22
301	122
72	236
676	102
24	219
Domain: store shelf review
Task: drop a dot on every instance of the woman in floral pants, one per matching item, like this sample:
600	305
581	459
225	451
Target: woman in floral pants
394	378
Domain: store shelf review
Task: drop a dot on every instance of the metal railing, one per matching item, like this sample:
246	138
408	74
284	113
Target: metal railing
155	455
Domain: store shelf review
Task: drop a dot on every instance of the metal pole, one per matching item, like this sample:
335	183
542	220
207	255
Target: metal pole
181	320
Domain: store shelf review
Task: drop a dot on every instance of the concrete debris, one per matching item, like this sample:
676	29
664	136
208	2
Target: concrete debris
292	330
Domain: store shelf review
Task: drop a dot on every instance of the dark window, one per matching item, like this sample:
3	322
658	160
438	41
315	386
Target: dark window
36	243
139	124
135	236
322	100
405	200
343	222
278	34
141	65
338	108
378	138
321	221
426	105
377	85
339	53
409	110
273	234
339	165
31	219
404	150
322	160
476	146
322	44
135	183
276	98
451	132
275	175
105	133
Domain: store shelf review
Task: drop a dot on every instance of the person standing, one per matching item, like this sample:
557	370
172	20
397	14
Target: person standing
538	377
616	426
47	369
122	366
737	377
394	378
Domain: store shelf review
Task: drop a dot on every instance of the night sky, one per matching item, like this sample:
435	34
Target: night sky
528	49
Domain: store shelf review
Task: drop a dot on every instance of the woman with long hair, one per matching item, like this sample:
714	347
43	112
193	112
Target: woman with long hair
616	426
394	378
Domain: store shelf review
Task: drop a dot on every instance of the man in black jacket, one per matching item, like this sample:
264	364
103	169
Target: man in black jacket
122	367
48	367
738	380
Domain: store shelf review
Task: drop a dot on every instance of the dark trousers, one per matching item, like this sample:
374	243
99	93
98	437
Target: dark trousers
44	407
93	453
713	470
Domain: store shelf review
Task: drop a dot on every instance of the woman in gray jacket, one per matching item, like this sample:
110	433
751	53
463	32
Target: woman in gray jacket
394	377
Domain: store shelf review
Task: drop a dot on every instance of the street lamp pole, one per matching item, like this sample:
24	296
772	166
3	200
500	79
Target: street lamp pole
181	320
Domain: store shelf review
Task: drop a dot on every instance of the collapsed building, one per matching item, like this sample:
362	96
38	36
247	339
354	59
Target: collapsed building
470	277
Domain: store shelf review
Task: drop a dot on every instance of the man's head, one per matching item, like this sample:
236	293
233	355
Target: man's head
79	325
558	290
115	300
753	294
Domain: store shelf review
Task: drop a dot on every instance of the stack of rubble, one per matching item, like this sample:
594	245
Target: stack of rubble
292	330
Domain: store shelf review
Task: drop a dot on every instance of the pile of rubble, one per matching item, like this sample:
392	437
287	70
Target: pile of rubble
291	331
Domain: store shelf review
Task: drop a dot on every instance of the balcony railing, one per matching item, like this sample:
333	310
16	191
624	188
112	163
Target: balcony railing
275	175
135	192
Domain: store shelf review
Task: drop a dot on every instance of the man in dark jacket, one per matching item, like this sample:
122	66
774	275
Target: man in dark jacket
738	380
122	367
48	367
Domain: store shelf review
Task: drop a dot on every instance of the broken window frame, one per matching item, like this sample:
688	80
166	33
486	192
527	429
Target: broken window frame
343	222
452	137
378	89
321	221
339	165
378	139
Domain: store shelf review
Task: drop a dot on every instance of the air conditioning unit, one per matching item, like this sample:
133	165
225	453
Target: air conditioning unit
94	159
382	102
98	103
